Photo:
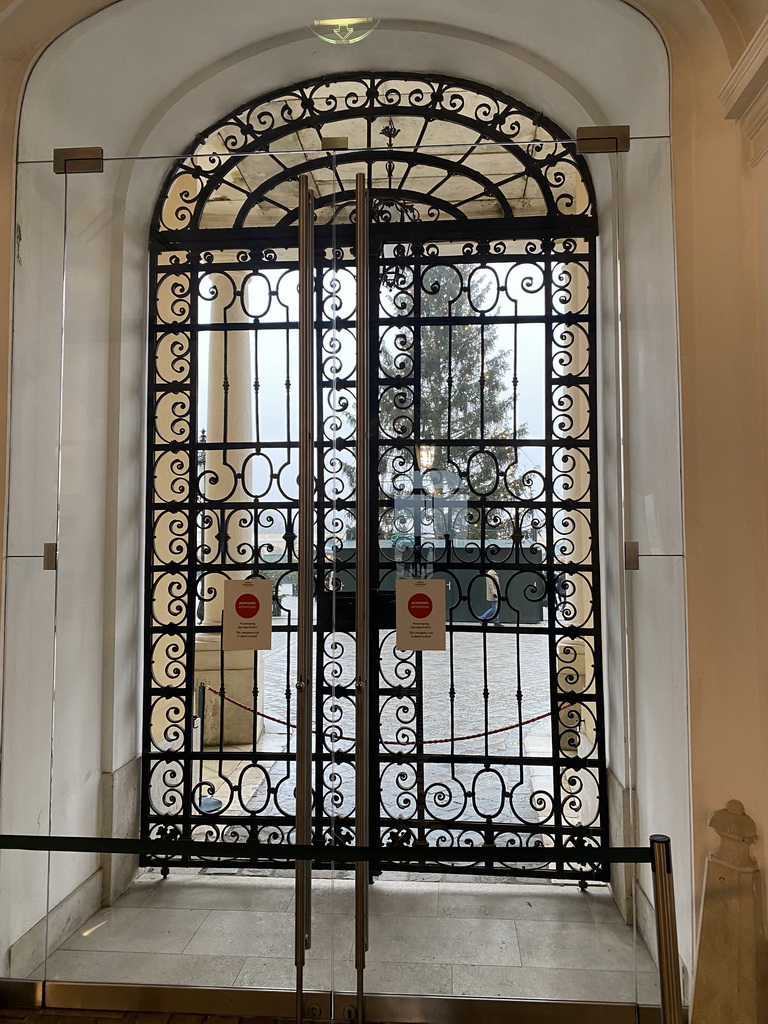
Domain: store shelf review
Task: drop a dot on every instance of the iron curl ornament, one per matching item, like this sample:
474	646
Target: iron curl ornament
483	269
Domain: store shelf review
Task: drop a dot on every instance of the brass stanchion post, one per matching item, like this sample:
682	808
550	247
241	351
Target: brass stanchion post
666	930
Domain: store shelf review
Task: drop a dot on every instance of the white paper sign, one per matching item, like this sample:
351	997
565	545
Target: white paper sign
420	614
247	615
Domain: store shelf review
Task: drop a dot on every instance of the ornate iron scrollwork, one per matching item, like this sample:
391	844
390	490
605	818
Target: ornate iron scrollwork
484	286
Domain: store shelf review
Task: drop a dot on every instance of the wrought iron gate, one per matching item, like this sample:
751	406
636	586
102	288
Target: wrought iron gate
464	312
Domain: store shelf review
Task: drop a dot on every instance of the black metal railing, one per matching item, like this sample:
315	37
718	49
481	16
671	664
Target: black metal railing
657	853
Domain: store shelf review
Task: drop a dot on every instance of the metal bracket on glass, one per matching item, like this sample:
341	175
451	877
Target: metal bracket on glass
80	160
50	556
334	142
631	554
603	138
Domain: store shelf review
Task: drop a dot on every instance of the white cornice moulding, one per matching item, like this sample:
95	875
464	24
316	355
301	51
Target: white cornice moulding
745	94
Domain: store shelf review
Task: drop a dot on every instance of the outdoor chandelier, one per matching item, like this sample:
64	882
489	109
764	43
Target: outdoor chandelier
344	30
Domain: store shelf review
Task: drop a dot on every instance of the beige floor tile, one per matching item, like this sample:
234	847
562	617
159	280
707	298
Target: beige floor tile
602	905
244	933
137	930
522	903
222	893
398	978
547	983
404	899
418	940
648	988
138	892
144	968
387	899
273	972
578	946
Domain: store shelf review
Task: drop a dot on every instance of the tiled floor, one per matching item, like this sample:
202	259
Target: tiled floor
431	937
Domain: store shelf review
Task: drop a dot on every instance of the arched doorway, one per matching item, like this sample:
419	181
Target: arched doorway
483	330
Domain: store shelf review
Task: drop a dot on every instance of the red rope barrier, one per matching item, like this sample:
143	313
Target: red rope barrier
388	743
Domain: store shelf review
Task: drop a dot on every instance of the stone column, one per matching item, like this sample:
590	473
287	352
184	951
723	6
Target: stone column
229	418
731	984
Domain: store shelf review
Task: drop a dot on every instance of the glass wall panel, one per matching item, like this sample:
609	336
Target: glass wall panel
30	598
159	446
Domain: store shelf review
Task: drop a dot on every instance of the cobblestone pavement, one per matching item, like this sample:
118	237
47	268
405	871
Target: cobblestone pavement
498	679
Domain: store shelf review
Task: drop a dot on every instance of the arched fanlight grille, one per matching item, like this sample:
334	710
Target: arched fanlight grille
439	148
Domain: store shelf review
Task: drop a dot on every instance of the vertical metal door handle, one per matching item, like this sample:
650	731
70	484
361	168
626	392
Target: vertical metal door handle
362	583
303	918
50	556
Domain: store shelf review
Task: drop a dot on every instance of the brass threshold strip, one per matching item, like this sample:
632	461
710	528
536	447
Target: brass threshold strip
280	1005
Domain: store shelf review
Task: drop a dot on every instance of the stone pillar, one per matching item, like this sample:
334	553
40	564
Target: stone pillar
731	985
229	418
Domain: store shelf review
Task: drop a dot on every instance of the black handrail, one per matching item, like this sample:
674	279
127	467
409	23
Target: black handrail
657	854
339	854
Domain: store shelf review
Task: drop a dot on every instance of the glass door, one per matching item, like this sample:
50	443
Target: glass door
328	577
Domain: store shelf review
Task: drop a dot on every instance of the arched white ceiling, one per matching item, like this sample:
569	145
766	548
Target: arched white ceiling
145	76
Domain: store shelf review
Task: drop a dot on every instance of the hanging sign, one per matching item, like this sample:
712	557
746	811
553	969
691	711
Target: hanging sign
420	614
247	622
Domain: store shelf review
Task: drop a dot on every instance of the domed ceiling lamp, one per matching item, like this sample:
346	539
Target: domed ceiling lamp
344	30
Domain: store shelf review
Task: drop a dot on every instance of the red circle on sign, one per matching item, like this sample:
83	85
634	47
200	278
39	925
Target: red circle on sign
420	605
247	605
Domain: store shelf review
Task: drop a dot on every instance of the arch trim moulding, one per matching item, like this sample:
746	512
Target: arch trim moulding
282	40
745	94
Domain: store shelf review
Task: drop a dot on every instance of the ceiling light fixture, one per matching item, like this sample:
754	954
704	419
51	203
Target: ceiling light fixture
344	30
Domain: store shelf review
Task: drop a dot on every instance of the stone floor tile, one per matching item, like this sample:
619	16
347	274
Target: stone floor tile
137	930
253	934
544	984
144	968
418	940
579	946
398	978
648	992
602	905
387	898
198	893
524	903
280	973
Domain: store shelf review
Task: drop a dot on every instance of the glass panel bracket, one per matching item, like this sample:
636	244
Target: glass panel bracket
603	138
80	160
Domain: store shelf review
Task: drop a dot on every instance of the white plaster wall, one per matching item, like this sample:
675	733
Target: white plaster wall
142	79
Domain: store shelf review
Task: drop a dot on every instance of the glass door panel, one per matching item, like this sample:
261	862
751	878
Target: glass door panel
195	739
30	593
485	365
459	464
